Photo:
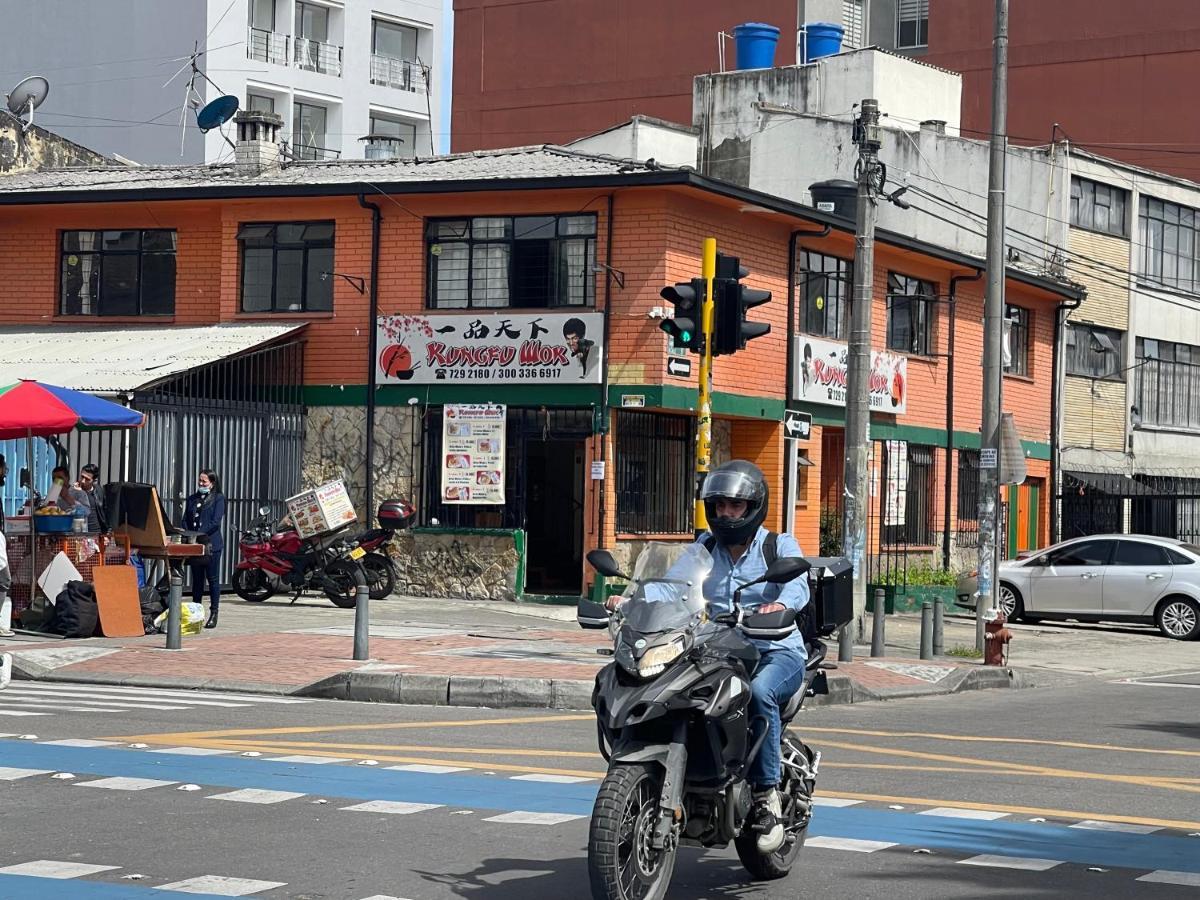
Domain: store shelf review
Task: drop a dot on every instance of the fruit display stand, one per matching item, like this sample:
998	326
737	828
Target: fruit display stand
30	553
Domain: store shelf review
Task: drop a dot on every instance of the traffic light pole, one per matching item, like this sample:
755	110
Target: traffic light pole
858	375
708	271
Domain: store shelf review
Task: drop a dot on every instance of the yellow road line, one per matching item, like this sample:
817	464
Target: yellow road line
1075	745
180	736
412	748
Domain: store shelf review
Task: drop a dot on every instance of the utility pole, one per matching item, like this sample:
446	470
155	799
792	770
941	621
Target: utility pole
993	336
868	173
708	271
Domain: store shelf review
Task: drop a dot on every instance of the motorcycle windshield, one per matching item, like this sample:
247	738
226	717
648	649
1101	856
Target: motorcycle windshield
668	588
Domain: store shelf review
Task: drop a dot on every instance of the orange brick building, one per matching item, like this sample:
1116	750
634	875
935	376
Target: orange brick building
530	239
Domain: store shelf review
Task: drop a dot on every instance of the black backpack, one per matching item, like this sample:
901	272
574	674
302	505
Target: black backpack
770	550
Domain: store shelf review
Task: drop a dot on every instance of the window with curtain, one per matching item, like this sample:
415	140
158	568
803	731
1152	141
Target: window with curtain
825	284
1094	352
505	261
286	266
1169	244
912	24
1018	340
117	273
1167	383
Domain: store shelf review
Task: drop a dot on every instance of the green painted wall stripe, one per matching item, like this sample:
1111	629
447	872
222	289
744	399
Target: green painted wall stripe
437	394
685	399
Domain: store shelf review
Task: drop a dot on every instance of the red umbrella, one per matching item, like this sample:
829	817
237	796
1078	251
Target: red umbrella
33	409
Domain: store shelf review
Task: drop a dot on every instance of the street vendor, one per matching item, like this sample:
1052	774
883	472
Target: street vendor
60	493
85	495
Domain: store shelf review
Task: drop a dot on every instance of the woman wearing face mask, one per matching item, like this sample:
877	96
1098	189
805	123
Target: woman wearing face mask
203	512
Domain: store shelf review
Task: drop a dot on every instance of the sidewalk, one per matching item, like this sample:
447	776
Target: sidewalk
426	652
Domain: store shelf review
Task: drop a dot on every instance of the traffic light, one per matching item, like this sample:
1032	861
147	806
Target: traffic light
685	326
731	329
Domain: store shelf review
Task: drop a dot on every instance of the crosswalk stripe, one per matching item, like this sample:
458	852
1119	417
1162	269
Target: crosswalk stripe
311	760
552	779
1025	863
78	742
957	812
393	807
192	751
8	773
174	693
122	783
853	844
427	769
1124	827
1163	876
835	802
521	817
53	868
257	795
222	886
141	700
95	705
26	712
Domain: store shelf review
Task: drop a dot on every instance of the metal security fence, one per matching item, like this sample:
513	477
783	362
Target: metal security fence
654	463
1118	503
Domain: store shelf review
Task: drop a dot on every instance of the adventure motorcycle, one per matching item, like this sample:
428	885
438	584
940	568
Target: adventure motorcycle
275	558
673	723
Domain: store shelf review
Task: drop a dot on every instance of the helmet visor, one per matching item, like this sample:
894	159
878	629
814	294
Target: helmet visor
733	486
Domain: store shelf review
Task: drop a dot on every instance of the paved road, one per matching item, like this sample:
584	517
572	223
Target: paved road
1087	789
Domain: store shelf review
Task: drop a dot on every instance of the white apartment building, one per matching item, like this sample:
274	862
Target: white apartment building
349	78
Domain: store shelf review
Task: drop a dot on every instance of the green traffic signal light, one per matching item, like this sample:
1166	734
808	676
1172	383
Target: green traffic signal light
683	327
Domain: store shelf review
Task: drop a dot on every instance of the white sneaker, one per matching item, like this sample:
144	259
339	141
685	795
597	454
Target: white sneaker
5	669
771	839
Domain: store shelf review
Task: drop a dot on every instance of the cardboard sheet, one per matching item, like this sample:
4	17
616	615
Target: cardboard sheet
56	575
117	600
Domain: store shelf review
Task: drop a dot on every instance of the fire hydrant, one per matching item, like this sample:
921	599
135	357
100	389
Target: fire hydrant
995	641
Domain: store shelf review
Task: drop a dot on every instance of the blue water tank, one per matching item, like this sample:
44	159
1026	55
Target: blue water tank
818	40
755	45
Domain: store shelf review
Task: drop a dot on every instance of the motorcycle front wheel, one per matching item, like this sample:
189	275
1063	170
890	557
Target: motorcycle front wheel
622	864
340	587
253	585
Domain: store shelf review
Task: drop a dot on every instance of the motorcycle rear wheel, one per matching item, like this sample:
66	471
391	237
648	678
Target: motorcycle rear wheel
621	863
381	578
253	585
772	866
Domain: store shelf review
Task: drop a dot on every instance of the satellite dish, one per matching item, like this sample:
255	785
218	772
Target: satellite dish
28	96
215	114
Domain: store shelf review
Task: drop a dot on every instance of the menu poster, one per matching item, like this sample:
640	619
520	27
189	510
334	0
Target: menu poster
321	509
473	452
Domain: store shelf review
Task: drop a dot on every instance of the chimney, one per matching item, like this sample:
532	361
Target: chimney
937	126
257	148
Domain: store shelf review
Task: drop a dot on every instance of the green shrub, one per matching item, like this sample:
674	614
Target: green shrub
831	532
917	576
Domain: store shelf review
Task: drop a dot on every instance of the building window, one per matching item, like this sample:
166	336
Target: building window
308	132
967	505
854	22
260	103
1167	384
394	60
1017	350
654	473
1098	207
1094	352
912	24
285	266
521	262
825	283
909	314
1169	244
908	493
391	139
118	273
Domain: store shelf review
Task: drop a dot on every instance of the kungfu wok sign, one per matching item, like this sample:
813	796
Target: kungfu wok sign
491	348
821	375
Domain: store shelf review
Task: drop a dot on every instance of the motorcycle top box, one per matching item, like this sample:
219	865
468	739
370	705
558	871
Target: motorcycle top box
396	514
831	593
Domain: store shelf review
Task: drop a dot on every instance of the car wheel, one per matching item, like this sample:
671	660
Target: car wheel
1178	618
1011	603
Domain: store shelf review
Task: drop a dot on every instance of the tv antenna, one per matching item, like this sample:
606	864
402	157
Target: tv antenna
27	96
209	116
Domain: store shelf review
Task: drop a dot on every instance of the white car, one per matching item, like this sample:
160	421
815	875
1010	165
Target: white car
1103	578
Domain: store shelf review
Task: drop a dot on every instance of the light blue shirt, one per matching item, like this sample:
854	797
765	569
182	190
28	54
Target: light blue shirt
726	575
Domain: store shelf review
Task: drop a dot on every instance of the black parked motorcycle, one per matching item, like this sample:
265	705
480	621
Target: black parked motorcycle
673	723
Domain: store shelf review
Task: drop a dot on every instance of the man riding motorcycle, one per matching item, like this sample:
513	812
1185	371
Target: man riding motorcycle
735	504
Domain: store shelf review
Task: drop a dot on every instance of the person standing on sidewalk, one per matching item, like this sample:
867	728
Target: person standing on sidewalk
85	495
203	512
5	587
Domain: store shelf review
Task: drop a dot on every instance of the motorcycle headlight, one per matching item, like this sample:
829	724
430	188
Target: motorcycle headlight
656	659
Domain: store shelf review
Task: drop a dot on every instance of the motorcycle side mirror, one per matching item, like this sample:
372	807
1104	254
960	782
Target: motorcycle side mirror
264	510
602	561
785	569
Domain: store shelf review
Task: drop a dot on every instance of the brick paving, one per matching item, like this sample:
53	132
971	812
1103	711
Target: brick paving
291	660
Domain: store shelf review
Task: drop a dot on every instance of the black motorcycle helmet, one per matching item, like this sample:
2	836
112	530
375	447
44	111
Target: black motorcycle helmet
735	480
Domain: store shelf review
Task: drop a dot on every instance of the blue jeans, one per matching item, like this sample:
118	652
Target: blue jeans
778	676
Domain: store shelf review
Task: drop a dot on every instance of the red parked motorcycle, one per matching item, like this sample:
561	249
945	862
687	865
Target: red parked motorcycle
275	558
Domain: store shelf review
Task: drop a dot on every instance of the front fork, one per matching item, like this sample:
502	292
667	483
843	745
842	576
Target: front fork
670	802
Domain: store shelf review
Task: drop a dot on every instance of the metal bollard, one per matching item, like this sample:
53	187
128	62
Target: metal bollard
939	637
846	643
926	630
877	621
175	613
362	615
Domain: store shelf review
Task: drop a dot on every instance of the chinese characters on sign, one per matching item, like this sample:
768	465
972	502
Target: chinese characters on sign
473	453
821	375
491	348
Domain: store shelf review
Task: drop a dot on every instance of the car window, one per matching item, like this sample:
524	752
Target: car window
1136	553
1178	559
1085	553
